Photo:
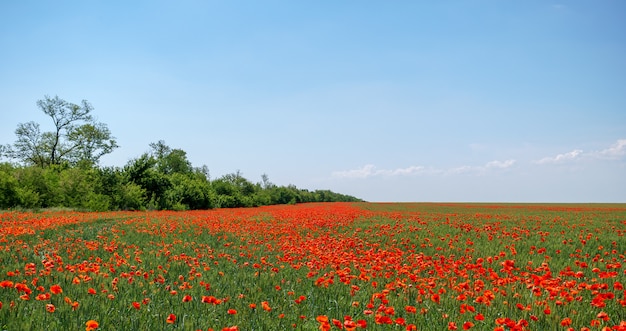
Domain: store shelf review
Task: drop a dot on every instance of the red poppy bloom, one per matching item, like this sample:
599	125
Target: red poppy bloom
349	325
91	325
6	284
171	319
56	289
322	319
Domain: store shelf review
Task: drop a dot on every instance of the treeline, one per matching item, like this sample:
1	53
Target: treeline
59	168
160	179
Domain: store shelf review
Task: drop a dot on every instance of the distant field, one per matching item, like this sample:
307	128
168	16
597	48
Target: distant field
353	266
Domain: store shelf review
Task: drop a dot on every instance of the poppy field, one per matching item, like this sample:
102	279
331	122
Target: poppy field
318	266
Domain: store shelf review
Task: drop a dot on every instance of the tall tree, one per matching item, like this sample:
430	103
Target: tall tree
76	136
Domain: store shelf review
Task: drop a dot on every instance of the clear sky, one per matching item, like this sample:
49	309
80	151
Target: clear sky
384	100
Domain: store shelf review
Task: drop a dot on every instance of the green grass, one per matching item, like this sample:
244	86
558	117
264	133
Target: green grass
344	259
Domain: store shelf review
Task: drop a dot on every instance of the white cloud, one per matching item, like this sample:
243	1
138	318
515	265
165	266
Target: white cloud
616	150
402	171
481	170
561	157
500	164
460	170
370	170
363	172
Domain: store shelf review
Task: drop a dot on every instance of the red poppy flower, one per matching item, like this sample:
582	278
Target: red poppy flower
91	325
56	289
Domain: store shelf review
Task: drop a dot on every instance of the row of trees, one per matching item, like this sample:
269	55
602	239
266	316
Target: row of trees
60	169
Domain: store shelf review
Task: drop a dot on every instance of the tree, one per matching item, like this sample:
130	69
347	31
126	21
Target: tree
170	161
76	137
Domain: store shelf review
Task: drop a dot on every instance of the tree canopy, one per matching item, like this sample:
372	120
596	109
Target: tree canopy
76	136
60	168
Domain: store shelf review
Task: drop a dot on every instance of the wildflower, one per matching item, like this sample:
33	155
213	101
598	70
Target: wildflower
324	324
50	308
6	284
566	321
171	319
56	289
603	316
187	298
322	319
232	312
91	325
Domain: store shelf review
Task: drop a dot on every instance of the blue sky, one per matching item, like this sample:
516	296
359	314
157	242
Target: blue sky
385	100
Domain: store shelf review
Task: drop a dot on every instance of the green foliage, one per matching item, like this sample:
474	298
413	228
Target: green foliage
162	179
59	168
9	189
76	138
